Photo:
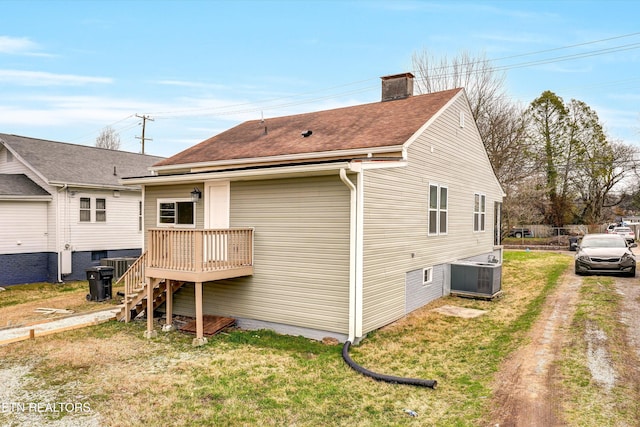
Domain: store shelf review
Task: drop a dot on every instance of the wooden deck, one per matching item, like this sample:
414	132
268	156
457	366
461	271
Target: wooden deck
199	255
177	256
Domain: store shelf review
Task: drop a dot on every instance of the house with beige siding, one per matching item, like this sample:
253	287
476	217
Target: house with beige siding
63	208
331	223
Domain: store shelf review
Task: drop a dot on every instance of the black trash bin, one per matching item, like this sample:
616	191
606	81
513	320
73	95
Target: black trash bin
573	243
99	278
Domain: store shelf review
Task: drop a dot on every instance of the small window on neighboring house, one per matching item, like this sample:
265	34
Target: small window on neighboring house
101	210
98	255
85	209
177	213
9	156
427	276
438	209
139	216
479	212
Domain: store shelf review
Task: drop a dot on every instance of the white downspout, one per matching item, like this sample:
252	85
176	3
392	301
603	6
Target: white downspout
353	257
58	219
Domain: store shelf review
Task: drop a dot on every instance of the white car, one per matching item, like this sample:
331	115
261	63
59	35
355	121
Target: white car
625	232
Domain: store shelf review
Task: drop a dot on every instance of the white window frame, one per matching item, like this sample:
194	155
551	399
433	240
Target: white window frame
84	209
427	276
479	212
102	211
175	202
439	210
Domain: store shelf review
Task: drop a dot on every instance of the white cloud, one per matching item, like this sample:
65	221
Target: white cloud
16	45
183	83
20	46
43	78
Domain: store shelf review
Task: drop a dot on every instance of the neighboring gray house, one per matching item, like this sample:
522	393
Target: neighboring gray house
332	223
63	208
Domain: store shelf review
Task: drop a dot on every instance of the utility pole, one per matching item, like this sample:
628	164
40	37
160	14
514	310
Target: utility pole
144	123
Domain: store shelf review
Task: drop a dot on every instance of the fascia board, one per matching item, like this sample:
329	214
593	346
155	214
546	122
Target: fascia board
237	175
281	159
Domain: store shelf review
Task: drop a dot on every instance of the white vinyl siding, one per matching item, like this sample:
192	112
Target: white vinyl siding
113	224
396	214
301	255
28	227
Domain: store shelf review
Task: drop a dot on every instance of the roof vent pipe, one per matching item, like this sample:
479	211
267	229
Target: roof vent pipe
397	86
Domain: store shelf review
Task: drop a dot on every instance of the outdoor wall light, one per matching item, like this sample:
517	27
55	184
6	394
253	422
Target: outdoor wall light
196	194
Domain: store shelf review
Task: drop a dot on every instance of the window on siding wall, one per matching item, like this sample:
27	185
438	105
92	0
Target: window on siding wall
427	276
98	255
101	210
139	216
479	212
438	209
179	213
85	209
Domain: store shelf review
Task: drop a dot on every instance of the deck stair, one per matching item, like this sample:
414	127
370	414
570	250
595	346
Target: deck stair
135	294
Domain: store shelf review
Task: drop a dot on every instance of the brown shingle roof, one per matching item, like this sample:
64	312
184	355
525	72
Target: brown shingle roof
380	124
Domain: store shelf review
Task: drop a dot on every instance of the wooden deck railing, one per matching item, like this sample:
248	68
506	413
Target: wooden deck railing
200	251
134	280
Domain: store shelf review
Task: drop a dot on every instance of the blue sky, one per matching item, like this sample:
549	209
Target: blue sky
70	68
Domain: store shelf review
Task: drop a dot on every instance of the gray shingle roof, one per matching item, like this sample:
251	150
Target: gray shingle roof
61	162
19	185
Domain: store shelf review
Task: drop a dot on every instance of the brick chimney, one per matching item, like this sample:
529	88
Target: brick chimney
397	86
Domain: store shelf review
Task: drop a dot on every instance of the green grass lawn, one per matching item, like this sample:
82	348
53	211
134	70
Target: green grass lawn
262	378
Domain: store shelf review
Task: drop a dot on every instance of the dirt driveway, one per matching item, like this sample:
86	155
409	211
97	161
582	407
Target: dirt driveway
529	385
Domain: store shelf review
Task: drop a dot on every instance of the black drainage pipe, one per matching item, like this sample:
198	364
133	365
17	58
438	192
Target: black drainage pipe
380	377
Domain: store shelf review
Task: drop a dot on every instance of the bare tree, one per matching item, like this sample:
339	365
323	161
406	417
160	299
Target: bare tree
500	123
499	120
108	138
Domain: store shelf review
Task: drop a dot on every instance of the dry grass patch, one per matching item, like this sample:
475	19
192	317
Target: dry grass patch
18	303
599	369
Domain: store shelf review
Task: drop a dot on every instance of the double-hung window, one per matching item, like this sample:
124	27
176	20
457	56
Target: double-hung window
85	209
98	205
479	212
176	213
101	210
438	209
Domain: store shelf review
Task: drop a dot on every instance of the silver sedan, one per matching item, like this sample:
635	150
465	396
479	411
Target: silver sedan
605	253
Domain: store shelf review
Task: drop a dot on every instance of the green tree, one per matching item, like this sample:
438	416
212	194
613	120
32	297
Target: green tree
580	165
553	149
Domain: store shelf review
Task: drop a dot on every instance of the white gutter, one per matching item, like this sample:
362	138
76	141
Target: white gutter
282	158
259	173
355	253
28	198
93	186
